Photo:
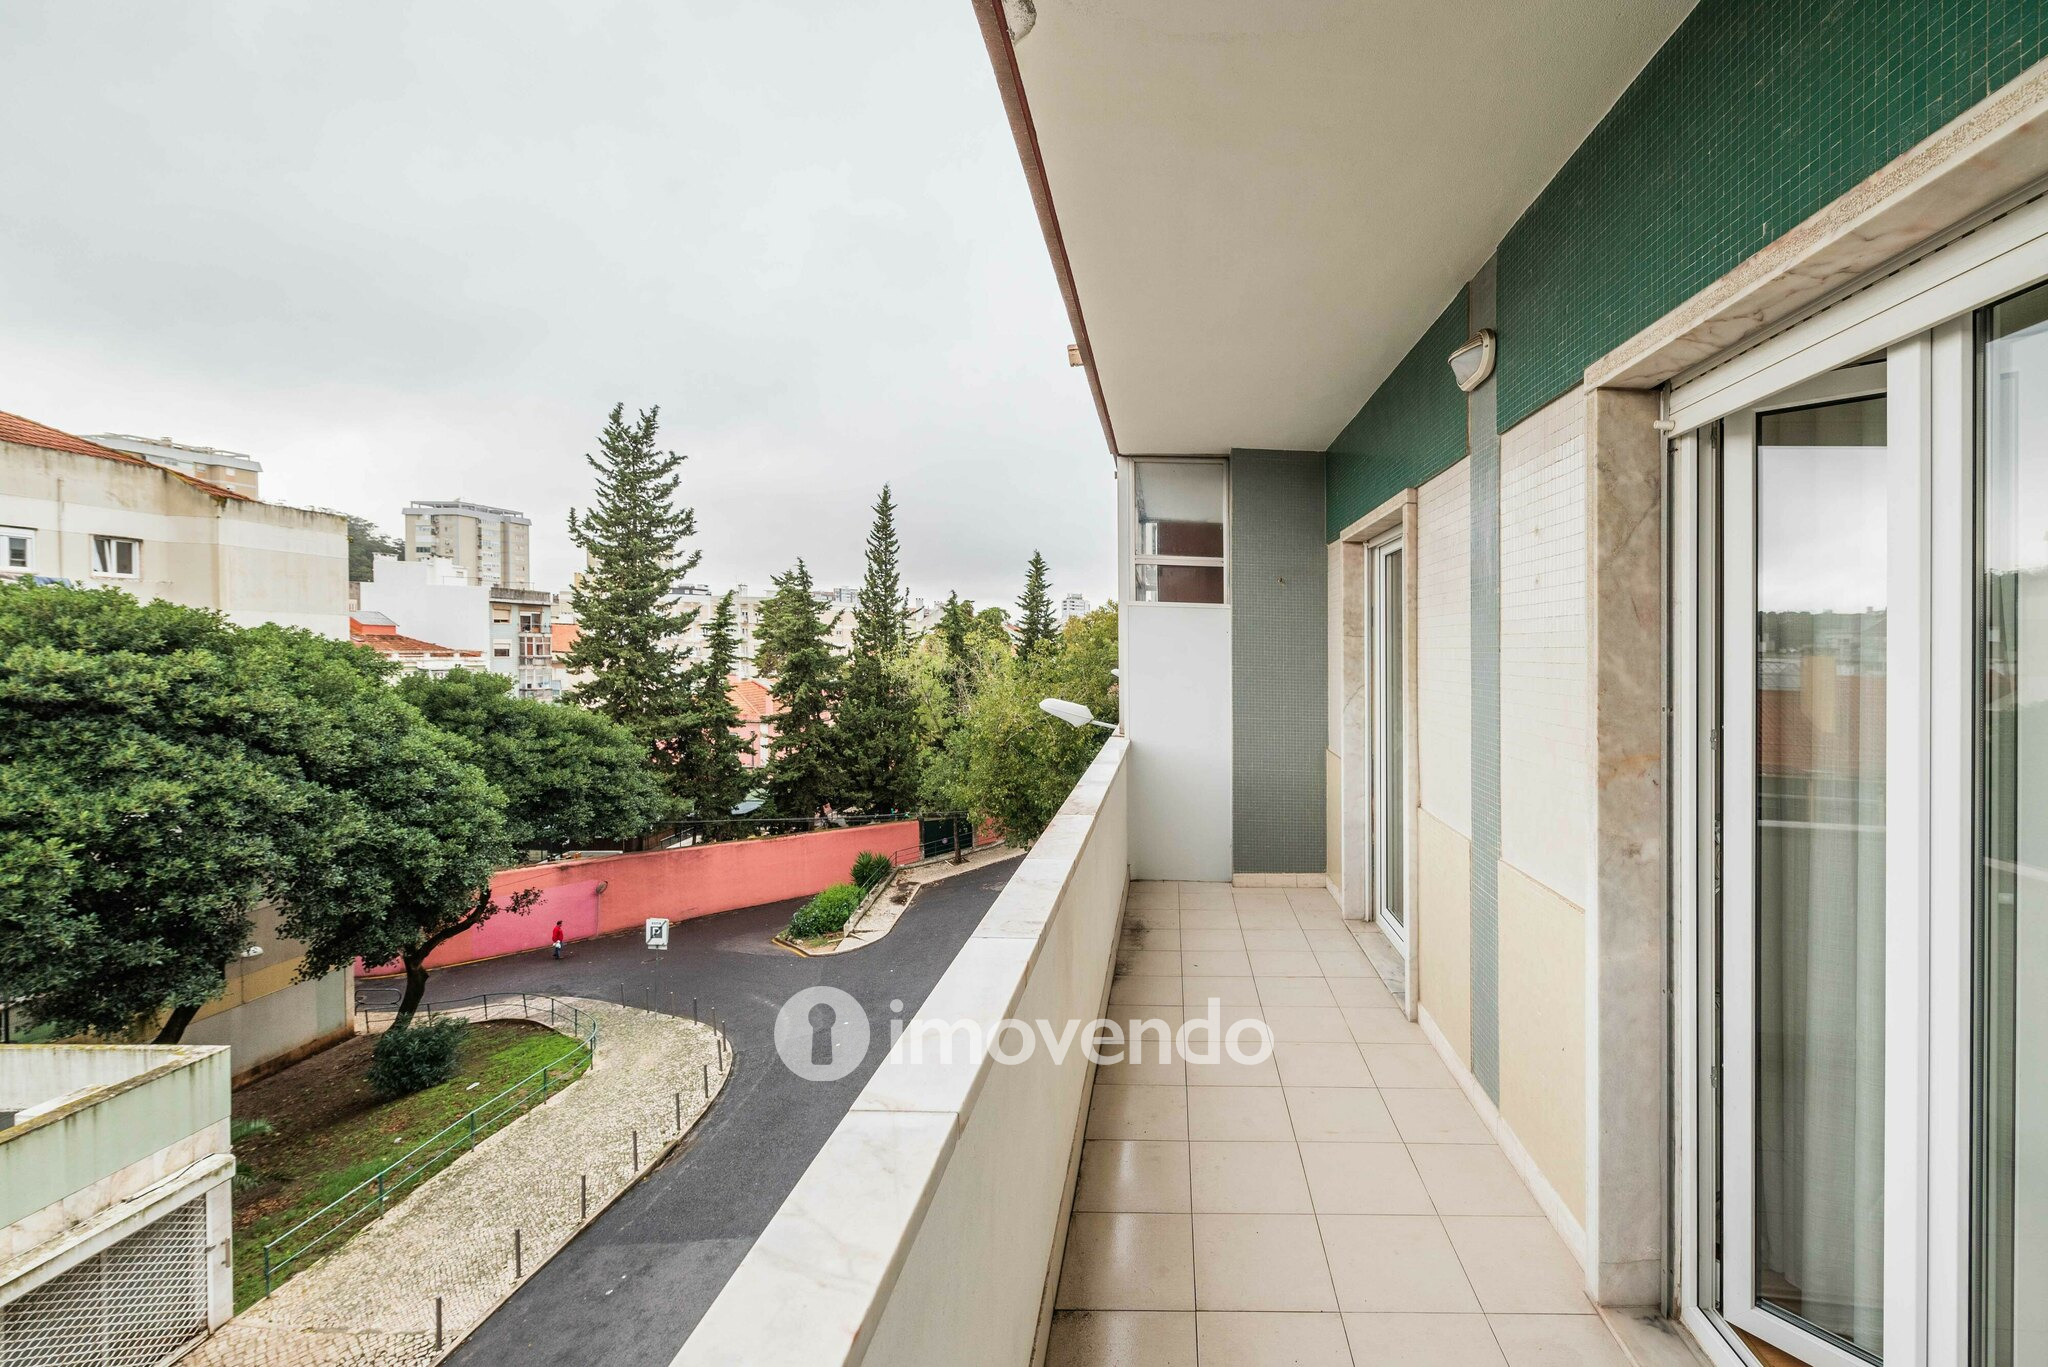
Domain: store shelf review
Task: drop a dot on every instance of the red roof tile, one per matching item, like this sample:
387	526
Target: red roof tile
27	432
392	644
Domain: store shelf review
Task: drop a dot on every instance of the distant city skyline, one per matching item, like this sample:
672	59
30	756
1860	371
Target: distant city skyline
801	231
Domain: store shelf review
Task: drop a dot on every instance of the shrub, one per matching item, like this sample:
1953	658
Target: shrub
826	913
870	868
415	1057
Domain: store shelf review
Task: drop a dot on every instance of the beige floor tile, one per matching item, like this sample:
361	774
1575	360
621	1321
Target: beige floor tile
1307	1024
1285	963
1235	1113
1145	937
1246	1177
1244	1338
1363	1179
1260	1262
1321	1065
1228	1072
1231	991
1138	1113
1332	938
1345	963
1311	899
1341	1115
1405	1340
1227	938
1436	1116
1152	895
1214	963
1556	1341
1406	1065
1121	1338
1207	918
1518	1265
1206	897
1130	1018
1150	1073
1152	1035
1133	1175
1472	1179
1395	1262
1127	1262
1267	918
1361	992
1260	899
1295	992
1276	939
1331	919
1153	917
1146	963
1382	1025
1156	989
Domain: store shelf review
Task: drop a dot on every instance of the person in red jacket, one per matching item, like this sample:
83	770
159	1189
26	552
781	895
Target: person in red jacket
557	938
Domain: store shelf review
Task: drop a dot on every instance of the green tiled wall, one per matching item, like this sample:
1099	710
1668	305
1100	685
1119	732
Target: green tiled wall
1412	427
1751	118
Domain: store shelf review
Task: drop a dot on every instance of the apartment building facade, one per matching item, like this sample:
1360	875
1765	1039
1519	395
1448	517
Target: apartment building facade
1580	500
231	470
489	545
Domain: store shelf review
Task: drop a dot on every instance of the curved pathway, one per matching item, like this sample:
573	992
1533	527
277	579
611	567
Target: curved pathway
631	1287
372	1300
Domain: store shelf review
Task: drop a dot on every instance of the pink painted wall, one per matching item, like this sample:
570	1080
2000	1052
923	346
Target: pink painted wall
676	884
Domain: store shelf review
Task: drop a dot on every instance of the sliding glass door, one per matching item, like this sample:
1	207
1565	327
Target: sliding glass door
1389	741
1810	489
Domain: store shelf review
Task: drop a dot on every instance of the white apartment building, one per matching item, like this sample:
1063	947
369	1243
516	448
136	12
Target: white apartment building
230	469
490	545
508	630
1073	605
76	510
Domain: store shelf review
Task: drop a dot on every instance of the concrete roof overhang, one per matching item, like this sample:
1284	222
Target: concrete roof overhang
1256	206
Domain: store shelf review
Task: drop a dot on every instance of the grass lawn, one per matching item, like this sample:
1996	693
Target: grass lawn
323	1131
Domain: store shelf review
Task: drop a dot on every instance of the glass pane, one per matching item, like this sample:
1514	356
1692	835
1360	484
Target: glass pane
1180	583
1821	571
2012	896
1393	769
1180	509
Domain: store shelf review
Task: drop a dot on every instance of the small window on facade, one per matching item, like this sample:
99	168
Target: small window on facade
116	557
17	547
502	649
1178	531
501	612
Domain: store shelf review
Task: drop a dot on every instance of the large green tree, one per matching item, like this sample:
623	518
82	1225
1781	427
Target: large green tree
720	780
1036	629
365	544
878	736
1012	764
626	602
572	779
147	801
794	652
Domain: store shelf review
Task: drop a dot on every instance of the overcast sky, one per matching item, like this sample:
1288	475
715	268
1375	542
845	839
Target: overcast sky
417	250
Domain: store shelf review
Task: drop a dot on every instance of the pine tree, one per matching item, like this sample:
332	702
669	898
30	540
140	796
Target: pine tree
1036	630
714	744
956	624
878	737
795	652
633	539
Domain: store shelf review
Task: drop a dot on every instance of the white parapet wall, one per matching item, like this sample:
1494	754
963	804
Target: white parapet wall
926	1231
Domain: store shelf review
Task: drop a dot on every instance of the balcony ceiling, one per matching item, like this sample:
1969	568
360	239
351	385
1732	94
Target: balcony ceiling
1263	203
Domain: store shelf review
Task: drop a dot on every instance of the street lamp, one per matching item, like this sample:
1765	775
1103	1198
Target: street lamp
1072	713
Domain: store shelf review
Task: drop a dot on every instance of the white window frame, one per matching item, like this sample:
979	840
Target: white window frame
1922	317
1221	562
28	536
113	543
1381	625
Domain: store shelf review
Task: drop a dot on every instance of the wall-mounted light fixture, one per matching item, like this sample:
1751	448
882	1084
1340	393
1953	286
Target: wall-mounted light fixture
1473	362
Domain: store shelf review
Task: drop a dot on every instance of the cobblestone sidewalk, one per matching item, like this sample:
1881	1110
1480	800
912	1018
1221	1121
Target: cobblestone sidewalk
371	1304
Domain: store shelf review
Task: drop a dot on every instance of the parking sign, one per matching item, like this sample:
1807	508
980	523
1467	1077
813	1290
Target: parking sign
657	933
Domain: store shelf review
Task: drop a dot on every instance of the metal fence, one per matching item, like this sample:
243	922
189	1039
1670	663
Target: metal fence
369	1198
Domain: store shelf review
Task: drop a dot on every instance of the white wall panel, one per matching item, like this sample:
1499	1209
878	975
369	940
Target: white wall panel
1443	610
1546	737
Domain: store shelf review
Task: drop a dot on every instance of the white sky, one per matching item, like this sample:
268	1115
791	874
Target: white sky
416	250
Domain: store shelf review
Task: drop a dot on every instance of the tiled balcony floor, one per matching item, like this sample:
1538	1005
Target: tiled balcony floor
1339	1205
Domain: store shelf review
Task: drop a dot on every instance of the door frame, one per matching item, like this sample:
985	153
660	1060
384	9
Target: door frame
1379	554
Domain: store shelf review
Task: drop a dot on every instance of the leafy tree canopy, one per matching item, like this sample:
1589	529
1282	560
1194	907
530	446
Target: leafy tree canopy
571	779
365	544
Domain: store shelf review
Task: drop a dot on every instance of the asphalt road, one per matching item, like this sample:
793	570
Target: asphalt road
629	1289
